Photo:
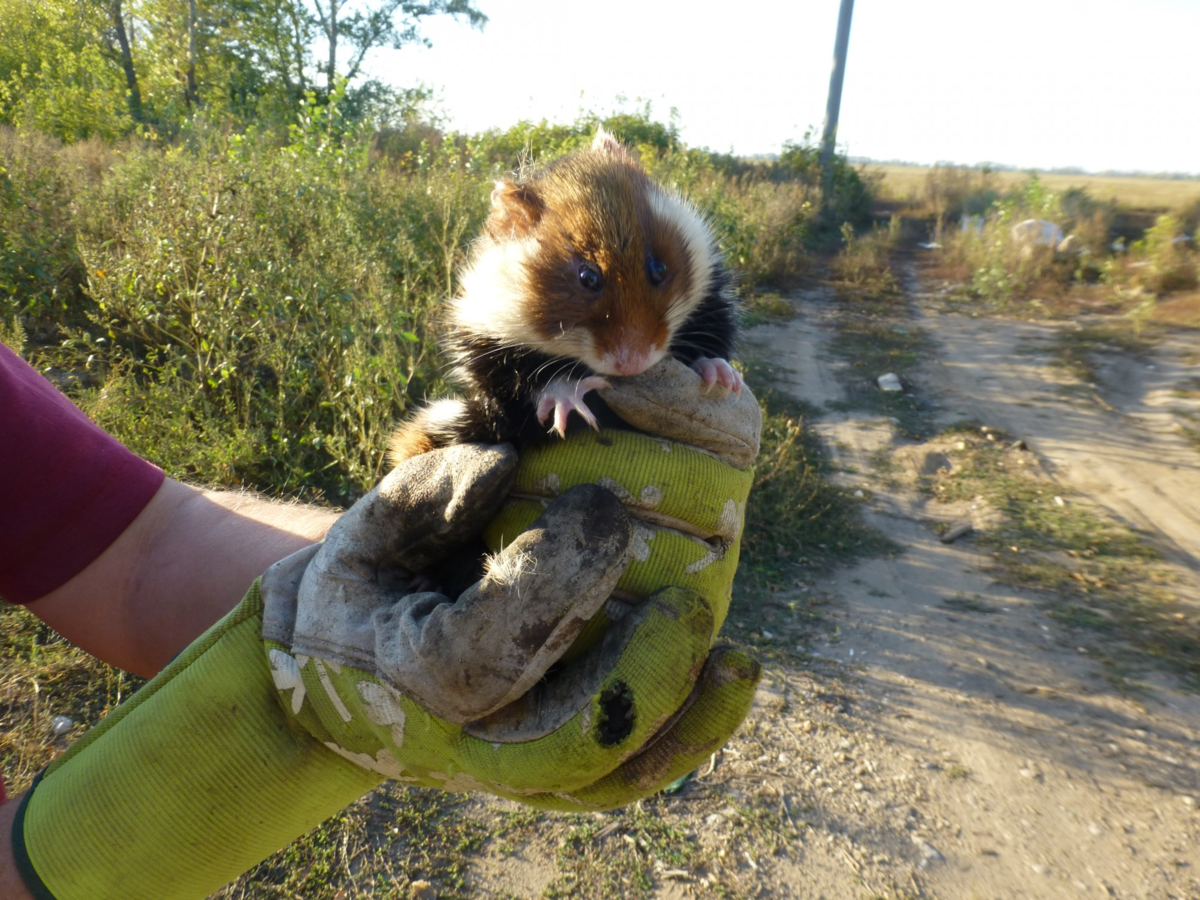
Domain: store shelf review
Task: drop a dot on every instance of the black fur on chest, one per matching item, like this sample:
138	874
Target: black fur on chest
500	386
711	330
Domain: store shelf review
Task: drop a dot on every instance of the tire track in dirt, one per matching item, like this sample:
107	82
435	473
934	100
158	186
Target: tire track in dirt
1123	447
1002	763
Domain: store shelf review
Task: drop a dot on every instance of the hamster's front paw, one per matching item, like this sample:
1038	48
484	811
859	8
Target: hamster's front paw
562	395
718	370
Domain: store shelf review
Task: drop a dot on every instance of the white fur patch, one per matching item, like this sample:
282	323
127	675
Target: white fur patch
443	418
697	239
494	286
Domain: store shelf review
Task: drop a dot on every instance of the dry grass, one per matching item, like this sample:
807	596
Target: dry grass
1180	310
907	184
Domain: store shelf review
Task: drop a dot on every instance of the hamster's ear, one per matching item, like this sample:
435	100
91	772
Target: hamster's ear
516	209
605	142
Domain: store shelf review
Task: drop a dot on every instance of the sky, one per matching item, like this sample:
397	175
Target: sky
1031	83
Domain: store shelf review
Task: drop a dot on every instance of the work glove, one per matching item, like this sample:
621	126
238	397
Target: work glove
683	475
204	772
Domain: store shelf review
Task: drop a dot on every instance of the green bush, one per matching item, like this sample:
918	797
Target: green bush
270	308
851	193
1005	269
1170	266
53	77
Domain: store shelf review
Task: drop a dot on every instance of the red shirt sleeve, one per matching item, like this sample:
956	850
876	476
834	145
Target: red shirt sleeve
67	489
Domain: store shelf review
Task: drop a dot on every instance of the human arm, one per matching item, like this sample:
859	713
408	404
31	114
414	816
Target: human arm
124	563
185	561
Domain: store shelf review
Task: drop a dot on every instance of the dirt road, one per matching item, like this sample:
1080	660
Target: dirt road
956	741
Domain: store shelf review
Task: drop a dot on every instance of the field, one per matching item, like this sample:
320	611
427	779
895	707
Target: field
267	322
908	184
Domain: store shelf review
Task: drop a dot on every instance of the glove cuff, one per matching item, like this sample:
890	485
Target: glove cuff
198	777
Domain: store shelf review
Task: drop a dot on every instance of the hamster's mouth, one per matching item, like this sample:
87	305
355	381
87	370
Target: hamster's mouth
626	362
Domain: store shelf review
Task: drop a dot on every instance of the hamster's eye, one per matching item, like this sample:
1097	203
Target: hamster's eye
590	278
656	269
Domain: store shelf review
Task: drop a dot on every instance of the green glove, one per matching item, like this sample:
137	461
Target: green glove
203	773
684	478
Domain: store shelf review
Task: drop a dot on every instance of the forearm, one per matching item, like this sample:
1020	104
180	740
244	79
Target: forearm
11	885
184	562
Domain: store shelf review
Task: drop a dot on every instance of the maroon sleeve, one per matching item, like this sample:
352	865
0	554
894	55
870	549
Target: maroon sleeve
67	489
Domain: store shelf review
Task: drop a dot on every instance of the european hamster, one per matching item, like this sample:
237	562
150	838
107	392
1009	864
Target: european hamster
585	269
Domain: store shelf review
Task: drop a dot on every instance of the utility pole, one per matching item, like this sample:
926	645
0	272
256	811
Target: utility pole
834	104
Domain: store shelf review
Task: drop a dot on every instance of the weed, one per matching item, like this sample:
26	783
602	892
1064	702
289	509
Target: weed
760	307
600	861
956	772
863	265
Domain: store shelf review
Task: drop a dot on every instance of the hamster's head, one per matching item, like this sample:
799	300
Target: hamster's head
589	259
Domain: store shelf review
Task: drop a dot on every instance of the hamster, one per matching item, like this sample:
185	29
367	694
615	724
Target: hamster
586	269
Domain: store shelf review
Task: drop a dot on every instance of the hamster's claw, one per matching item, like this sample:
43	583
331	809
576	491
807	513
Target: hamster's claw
714	370
562	395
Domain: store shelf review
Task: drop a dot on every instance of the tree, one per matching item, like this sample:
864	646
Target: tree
54	72
81	67
391	23
123	52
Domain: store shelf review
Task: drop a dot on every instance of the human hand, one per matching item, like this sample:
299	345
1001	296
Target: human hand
684	477
442	693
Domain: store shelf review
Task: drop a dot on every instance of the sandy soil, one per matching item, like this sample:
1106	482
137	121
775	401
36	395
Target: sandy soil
985	756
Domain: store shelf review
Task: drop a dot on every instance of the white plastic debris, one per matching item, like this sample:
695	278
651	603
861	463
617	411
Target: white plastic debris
889	382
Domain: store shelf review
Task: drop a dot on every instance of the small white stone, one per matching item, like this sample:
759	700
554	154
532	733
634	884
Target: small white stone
60	725
928	851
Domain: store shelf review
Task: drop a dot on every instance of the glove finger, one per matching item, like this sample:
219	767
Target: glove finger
582	721
466	659
424	508
717	707
668	400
